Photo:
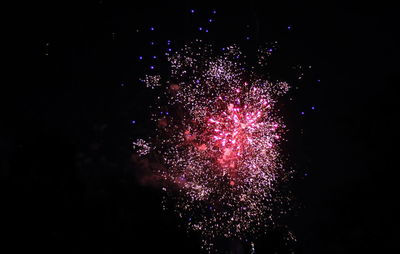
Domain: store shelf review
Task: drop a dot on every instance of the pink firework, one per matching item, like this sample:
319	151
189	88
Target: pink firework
220	143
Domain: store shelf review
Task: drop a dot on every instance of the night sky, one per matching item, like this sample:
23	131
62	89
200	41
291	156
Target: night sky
69	183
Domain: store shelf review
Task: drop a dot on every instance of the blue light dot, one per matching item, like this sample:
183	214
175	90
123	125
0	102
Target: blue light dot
192	11
200	28
152	67
214	11
166	113
302	113
154	57
247	38
151	28
312	108
318	80
210	20
140	57
133	121
289	27
206	30
169	50
152	43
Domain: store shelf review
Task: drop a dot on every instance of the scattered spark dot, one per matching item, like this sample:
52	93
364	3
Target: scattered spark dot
151	81
141	146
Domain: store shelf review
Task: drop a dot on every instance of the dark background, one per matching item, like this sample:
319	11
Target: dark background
68	181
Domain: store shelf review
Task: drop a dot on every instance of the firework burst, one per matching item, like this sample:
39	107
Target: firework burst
219	139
